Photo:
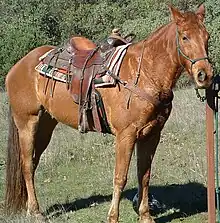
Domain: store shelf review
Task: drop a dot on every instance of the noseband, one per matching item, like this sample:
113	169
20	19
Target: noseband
180	52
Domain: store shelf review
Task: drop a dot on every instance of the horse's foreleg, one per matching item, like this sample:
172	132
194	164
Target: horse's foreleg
124	149
145	152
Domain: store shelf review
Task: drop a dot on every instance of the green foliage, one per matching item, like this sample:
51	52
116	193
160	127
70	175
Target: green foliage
28	24
213	24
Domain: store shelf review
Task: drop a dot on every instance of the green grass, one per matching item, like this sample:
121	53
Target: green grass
74	178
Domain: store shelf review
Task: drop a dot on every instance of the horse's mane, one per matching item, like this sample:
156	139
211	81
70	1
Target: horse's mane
160	31
156	32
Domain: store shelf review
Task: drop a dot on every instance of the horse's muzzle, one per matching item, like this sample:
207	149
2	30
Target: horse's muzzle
203	78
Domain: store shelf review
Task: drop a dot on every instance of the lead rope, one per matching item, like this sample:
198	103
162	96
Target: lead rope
199	96
137	74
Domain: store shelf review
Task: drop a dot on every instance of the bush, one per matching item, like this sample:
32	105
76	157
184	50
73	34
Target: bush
28	24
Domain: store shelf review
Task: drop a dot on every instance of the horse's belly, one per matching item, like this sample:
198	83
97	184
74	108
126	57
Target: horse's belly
55	98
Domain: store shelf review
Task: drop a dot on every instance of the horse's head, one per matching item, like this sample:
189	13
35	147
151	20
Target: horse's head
192	45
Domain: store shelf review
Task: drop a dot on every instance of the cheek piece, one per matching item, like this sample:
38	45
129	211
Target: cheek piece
180	52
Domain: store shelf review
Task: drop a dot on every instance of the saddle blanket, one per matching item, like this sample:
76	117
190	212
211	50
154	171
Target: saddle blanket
101	80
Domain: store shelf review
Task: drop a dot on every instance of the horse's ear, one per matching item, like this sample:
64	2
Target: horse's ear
176	15
200	12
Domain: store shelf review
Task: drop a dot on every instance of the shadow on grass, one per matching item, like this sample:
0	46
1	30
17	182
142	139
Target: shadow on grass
188	199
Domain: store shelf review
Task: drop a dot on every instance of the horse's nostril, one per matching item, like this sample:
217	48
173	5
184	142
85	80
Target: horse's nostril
202	76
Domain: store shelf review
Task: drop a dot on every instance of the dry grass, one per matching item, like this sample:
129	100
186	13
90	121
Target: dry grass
74	179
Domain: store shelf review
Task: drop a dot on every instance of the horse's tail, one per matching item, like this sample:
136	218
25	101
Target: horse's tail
16	192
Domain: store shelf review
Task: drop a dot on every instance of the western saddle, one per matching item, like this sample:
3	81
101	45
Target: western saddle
83	60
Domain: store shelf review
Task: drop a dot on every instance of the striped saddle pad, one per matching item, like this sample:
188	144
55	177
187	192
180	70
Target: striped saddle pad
101	80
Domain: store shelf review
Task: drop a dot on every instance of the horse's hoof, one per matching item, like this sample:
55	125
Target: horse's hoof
148	220
155	206
112	221
135	203
39	218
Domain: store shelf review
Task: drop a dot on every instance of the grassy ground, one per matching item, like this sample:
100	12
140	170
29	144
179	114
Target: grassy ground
74	179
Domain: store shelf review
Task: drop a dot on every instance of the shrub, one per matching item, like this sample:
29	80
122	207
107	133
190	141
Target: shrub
28	24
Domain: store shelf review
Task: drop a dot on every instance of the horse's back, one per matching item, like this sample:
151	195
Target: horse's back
25	67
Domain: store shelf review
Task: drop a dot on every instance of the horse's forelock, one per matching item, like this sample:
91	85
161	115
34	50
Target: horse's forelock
190	21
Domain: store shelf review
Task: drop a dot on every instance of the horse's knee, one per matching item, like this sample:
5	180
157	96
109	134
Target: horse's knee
120	181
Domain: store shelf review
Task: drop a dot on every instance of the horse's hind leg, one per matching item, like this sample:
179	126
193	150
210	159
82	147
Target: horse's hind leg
34	138
43	135
26	130
145	152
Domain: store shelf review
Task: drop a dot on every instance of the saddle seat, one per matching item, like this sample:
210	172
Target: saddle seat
81	43
84	52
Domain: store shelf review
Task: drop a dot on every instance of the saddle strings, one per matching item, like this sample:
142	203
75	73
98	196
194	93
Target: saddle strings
85	103
137	74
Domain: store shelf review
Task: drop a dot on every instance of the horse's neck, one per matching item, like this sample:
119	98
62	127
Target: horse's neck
160	63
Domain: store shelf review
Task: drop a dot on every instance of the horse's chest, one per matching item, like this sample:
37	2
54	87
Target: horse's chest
162	115
155	122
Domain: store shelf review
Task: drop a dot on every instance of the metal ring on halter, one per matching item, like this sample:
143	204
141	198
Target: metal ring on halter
201	98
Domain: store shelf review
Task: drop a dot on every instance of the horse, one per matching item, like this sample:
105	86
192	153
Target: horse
152	66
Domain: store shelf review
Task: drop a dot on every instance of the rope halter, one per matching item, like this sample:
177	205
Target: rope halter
180	52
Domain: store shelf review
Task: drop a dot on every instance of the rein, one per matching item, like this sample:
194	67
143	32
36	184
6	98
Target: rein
163	98
137	77
134	89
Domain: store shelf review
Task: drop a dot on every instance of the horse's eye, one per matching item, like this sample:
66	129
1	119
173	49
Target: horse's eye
185	38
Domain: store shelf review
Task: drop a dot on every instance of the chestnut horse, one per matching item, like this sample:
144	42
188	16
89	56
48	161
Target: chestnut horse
152	66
